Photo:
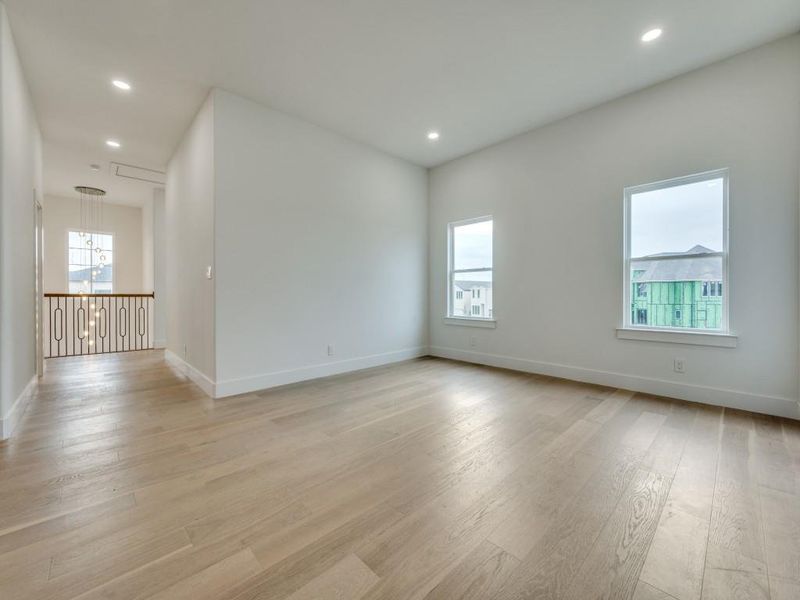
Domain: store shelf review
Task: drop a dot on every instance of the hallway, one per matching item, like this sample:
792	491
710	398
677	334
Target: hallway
423	479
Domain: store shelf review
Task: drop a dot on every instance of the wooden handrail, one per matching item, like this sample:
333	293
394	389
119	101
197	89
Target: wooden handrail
60	295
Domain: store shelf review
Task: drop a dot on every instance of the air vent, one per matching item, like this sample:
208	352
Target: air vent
138	173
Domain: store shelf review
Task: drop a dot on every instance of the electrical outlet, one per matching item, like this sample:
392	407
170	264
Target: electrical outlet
331	350
185	351
473	341
678	365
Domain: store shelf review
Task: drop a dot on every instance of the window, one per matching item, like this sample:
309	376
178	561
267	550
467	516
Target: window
470	266
459	294
91	263
712	288
676	253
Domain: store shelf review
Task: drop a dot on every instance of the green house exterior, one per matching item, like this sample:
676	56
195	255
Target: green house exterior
675	304
682	292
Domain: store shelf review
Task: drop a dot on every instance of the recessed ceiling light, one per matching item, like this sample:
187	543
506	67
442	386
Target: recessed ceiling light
433	135
651	35
121	84
113	144
94	167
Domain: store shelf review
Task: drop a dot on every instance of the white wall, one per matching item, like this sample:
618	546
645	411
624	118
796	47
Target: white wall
20	181
60	215
190	248
148	247
159	268
319	240
556	197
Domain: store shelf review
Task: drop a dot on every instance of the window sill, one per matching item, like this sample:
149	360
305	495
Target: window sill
696	338
470	322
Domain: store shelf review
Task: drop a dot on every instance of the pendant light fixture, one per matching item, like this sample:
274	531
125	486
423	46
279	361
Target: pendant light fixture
91	224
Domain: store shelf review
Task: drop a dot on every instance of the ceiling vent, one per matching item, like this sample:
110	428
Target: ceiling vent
138	173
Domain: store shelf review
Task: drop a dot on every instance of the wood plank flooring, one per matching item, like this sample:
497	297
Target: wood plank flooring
428	479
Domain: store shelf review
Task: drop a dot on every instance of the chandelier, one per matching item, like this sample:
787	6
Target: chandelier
92	223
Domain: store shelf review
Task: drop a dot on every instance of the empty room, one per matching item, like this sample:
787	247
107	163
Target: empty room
399	300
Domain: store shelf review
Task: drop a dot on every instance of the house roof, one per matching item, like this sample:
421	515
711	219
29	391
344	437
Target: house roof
696	264
86	274
468	285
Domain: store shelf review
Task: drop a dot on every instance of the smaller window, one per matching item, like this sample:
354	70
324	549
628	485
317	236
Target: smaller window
476	309
641	290
705	288
678	314
641	316
470	265
719	288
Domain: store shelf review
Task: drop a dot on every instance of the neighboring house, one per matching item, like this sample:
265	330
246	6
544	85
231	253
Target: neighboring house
473	299
102	281
684	292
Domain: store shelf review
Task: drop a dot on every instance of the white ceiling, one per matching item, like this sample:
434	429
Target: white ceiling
68	166
380	71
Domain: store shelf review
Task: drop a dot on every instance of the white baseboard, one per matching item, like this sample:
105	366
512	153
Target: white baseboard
770	405
202	381
159	343
10	420
232	387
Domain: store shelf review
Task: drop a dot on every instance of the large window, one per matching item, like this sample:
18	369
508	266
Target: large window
91	263
676	253
470	269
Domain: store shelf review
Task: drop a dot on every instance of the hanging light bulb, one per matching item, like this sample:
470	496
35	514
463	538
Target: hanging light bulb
91	323
92	305
91	211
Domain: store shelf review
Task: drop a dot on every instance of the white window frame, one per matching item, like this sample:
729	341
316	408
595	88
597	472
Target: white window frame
714	337
113	249
450	318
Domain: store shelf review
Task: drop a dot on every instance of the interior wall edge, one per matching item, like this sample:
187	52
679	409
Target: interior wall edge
9	421
202	380
232	387
769	405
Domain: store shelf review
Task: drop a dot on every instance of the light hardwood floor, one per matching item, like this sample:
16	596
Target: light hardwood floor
425	479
